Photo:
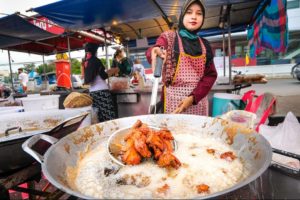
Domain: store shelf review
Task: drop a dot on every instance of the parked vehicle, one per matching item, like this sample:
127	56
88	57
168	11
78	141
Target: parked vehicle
51	77
296	71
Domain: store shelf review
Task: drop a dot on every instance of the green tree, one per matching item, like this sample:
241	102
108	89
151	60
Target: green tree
76	66
50	67
103	60
29	67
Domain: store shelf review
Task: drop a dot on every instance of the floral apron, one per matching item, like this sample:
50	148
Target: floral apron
189	71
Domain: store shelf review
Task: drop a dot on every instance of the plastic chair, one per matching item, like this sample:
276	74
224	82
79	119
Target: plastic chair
256	105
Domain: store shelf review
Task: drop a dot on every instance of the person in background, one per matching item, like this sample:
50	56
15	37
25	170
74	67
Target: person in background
122	62
95	75
138	67
23	77
189	72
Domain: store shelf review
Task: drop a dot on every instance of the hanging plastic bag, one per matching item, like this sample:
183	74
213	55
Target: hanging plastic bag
285	137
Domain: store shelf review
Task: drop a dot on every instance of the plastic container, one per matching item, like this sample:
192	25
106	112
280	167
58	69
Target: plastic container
11	109
63	73
224	102
119	83
241	117
36	102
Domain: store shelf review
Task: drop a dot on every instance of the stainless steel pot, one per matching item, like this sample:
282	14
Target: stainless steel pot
12	155
252	148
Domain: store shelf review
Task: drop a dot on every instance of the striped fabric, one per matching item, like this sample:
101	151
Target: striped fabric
270	29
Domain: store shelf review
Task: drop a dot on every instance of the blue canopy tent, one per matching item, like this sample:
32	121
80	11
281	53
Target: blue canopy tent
131	20
19	34
15	30
146	18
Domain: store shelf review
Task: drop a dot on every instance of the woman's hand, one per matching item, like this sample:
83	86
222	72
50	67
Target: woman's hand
157	51
184	105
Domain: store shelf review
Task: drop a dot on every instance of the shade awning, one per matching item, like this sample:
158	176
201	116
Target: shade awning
25	35
143	18
54	45
15	30
88	14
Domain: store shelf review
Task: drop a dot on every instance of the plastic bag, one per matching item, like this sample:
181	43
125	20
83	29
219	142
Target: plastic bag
285	136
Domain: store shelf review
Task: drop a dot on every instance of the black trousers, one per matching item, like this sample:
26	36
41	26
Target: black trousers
103	102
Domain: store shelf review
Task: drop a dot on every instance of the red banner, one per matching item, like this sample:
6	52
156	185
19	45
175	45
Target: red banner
47	25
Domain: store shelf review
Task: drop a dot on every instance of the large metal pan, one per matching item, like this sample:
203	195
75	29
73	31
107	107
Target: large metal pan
18	127
64	154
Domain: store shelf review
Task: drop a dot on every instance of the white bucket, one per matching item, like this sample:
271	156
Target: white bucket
88	120
37	102
224	102
11	109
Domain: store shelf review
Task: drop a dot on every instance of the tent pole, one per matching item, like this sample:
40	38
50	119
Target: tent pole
11	76
224	54
229	44
44	65
106	52
70	60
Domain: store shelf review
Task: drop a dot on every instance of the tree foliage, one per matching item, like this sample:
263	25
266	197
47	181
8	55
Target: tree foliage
76	66
103	60
48	67
29	67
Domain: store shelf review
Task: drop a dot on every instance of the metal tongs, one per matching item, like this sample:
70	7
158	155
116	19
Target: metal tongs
157	75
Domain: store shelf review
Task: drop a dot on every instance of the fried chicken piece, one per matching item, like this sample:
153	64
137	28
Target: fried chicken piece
167	159
168	146
140	145
154	140
131	156
157	152
144	128
137	124
202	188
229	156
165	134
163	189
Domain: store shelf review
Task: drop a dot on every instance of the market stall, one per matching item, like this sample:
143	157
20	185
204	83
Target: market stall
259	185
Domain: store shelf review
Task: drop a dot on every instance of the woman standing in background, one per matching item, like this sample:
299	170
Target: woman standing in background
122	62
95	75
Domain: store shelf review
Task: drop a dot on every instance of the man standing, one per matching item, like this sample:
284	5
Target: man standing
23	77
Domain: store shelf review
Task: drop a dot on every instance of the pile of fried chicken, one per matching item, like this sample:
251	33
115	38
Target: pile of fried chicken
144	142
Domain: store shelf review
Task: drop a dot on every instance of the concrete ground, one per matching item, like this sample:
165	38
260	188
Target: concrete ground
287	92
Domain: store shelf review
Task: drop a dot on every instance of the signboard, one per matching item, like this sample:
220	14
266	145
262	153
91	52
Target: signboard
47	25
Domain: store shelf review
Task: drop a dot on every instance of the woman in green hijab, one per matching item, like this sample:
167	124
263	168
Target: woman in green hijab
188	72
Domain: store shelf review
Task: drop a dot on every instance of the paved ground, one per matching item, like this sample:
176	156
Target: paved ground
287	92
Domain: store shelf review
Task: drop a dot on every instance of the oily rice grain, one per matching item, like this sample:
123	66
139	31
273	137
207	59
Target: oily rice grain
147	180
